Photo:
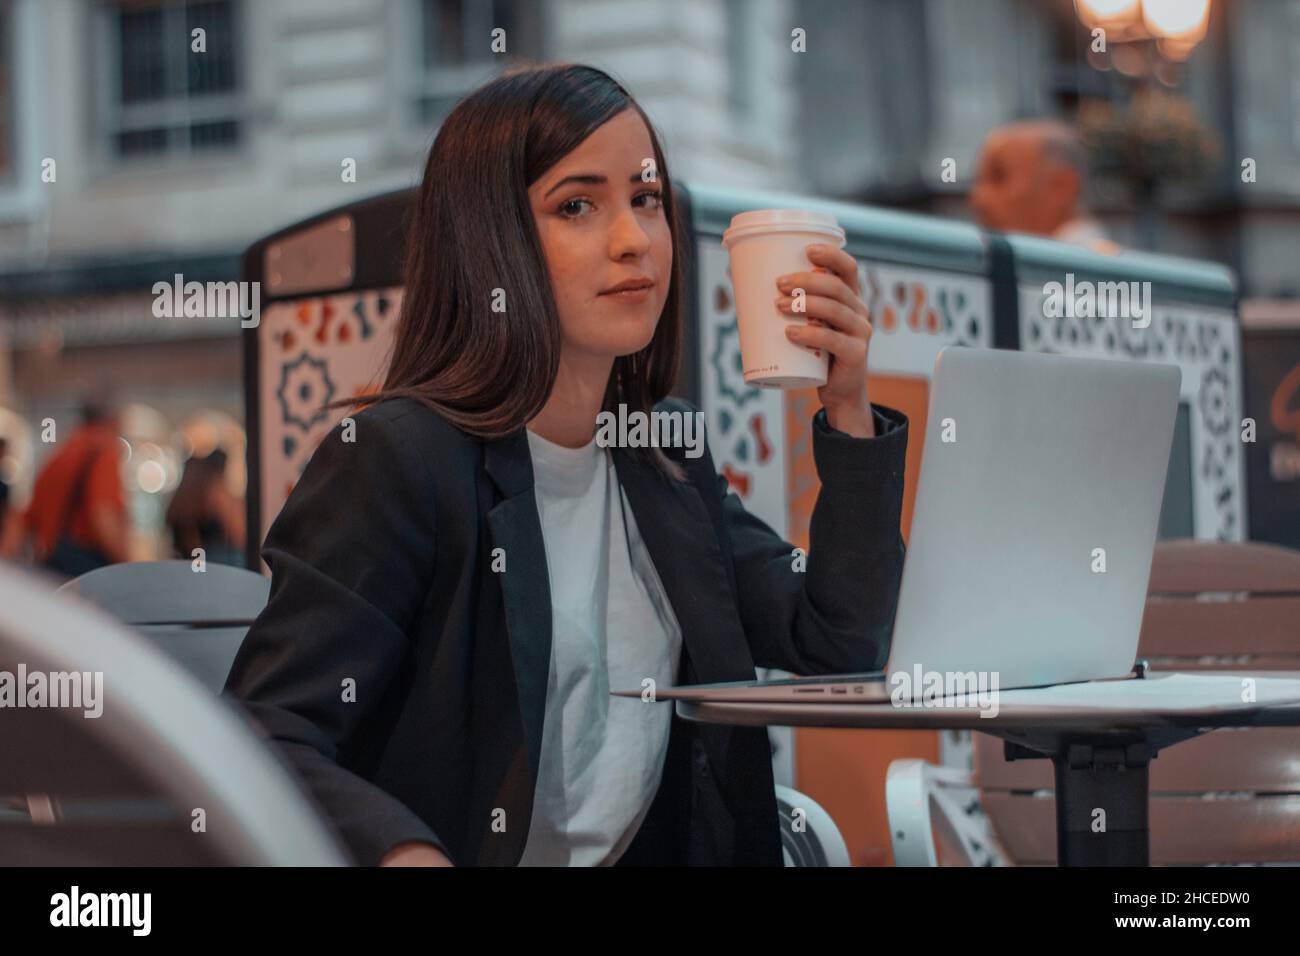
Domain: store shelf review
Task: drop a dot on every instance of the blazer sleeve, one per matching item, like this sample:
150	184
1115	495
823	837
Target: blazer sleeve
351	557
837	615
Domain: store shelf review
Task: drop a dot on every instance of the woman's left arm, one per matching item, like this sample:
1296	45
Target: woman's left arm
832	612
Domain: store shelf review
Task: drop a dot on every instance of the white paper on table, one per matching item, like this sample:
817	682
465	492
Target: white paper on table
1161	692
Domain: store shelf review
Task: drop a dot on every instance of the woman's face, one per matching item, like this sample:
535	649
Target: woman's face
600	225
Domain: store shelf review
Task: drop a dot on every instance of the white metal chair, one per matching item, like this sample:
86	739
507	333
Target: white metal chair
809	837
958	834
164	775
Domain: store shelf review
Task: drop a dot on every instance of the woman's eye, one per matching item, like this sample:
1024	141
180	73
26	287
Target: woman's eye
572	208
566	208
655	194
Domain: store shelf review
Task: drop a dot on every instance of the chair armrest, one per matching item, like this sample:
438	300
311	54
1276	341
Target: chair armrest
914	790
809	837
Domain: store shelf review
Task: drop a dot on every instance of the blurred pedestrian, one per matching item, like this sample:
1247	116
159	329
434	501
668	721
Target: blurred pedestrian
4	491
203	513
77	519
1030	178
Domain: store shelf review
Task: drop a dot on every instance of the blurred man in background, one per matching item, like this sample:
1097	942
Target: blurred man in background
77	519
1030	178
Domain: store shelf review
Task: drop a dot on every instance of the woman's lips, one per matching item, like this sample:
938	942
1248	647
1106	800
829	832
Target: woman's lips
629	295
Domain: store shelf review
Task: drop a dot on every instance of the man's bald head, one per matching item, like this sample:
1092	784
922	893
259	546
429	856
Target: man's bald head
1029	178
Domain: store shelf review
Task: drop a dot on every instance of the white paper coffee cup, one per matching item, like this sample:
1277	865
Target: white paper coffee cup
764	244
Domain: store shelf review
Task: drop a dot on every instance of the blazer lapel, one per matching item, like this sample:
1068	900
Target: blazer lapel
679	534
517	528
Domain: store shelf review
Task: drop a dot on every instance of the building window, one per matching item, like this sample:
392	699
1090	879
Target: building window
455	49
740	59
8	105
1295	73
162	97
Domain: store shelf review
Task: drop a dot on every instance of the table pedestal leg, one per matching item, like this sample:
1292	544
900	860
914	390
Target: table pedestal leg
1102	799
1103	789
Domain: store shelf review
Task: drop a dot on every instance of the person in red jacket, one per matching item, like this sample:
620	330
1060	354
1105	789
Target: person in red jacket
77	519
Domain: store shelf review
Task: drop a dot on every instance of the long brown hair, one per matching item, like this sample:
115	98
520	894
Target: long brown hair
471	232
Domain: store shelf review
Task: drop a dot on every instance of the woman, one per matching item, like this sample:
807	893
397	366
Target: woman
462	575
204	514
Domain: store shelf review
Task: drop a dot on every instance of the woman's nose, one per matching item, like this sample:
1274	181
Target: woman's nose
628	235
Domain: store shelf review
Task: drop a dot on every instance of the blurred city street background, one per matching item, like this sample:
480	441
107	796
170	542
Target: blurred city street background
125	161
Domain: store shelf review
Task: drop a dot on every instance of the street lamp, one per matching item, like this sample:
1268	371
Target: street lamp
1175	18
1176	25
1116	17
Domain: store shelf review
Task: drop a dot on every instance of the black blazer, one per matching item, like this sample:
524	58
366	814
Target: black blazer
404	679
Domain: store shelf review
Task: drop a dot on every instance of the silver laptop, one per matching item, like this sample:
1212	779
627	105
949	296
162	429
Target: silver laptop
1032	534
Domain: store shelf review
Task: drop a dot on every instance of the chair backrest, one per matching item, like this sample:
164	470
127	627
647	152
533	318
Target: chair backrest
1217	605
198	618
164	775
1211	605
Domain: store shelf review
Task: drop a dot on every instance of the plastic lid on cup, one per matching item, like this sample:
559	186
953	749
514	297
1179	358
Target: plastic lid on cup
762	221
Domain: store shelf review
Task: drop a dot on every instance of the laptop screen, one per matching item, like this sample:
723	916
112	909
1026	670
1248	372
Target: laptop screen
1176	517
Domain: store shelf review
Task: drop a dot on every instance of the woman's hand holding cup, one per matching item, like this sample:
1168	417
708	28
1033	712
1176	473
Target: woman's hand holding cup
824	324
829	298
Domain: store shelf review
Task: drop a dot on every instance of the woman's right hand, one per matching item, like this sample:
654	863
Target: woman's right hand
415	853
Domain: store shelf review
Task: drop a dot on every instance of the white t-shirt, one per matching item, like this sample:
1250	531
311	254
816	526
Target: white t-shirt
612	626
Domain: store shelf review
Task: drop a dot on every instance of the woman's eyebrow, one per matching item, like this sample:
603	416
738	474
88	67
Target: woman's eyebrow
592	179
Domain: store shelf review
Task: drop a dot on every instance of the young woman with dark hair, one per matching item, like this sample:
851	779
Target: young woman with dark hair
457	589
